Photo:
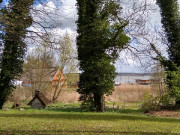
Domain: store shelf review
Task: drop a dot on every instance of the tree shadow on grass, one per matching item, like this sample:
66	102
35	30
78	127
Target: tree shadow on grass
77	132
91	117
65	109
78	109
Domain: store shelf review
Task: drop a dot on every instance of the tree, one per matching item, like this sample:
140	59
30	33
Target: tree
157	78
174	80
14	15
171	24
100	37
39	67
67	57
67	64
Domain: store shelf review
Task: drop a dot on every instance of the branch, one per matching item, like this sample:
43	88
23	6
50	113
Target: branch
159	55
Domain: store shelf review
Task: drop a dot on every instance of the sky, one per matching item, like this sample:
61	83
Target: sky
66	14
59	17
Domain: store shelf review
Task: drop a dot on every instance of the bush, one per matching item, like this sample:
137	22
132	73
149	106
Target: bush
166	100
173	81
150	103
157	103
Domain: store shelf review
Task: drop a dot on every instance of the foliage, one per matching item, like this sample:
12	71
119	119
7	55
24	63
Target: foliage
171	23
153	104
66	54
150	103
158	76
100	37
67	64
43	62
166	100
39	68
39	57
174	81
14	18
72	79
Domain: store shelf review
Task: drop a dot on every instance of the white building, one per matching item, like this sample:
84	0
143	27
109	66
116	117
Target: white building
123	78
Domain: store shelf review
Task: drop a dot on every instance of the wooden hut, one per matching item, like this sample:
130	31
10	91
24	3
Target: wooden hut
39	101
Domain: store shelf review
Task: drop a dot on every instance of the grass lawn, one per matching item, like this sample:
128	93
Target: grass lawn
70	120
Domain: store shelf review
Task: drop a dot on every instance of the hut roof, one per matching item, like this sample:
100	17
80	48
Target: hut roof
41	97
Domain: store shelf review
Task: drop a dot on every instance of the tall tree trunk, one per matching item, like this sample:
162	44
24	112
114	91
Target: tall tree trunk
5	88
2	100
16	19
170	18
99	102
93	42
177	102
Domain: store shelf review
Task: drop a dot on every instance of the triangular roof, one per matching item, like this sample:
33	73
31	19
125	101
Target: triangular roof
58	74
41	97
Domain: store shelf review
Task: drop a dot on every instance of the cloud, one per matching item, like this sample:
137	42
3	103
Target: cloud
62	16
66	14
59	17
55	17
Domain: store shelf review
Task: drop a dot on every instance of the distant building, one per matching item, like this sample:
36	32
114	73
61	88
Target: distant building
143	82
18	82
38	77
59	80
51	80
124	78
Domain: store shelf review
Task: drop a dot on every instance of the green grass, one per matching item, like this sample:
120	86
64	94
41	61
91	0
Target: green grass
60	104
131	105
68	119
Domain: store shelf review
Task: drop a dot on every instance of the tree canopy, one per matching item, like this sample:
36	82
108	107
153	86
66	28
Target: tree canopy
100	38
171	24
16	19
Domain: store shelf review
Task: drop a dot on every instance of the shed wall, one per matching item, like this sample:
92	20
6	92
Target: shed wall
37	104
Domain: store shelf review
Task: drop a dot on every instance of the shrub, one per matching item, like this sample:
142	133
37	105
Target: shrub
150	103
157	103
173	82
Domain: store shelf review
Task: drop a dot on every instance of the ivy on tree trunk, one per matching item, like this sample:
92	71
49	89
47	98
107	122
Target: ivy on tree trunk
171	23
16	19
100	38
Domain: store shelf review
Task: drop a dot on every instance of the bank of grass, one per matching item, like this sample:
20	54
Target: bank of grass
70	119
